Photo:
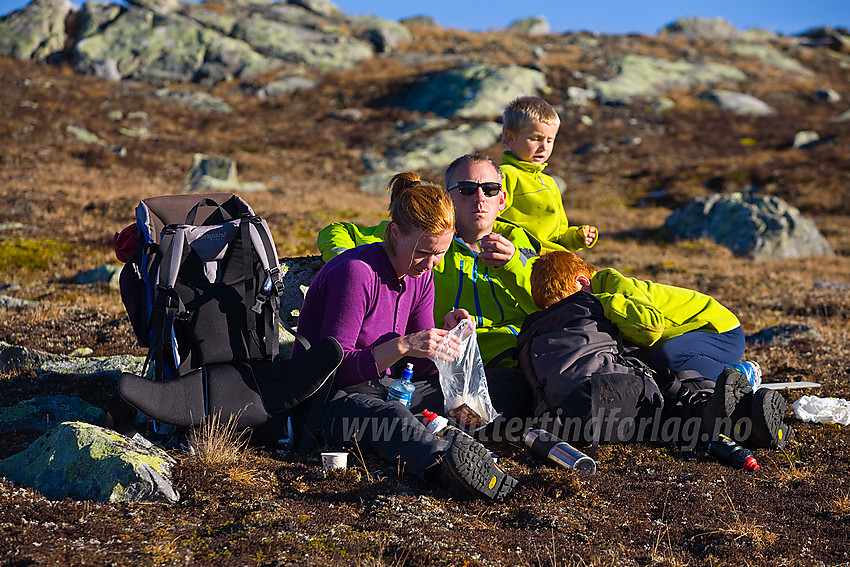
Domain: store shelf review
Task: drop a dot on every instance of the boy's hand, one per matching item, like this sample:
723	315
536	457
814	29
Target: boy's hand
588	233
496	250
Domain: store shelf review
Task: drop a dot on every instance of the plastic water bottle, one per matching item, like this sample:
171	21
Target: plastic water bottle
751	370
436	424
728	452
401	390
547	447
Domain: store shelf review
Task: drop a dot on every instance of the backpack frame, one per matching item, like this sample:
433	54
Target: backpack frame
203	293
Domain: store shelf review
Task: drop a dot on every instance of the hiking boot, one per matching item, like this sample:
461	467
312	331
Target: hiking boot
767	412
726	406
469	465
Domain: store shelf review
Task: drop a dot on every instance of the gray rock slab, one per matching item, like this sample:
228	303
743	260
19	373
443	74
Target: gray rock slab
738	103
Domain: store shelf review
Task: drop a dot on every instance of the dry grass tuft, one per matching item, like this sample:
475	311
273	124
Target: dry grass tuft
840	507
219	446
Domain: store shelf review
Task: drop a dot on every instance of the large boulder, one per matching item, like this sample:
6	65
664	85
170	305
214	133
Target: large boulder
86	462
472	91
144	46
755	226
36	31
315	48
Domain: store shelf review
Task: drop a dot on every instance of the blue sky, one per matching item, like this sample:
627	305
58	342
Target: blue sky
605	16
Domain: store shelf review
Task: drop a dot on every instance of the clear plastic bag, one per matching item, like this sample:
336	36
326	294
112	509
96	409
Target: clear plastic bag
463	382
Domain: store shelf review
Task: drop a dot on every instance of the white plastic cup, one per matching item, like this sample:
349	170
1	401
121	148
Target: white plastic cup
338	460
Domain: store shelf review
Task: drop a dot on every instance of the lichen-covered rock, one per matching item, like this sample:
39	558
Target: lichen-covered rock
145	46
86	462
771	56
40	415
755	226
643	76
36	31
320	50
439	149
473	91
91	366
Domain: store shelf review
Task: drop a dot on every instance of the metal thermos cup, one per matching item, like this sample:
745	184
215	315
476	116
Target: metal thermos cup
547	447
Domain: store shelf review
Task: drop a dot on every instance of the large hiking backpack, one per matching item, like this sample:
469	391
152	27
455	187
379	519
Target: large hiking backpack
202	290
585	385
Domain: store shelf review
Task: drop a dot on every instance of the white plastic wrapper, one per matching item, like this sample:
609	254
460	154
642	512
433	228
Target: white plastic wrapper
463	382
823	410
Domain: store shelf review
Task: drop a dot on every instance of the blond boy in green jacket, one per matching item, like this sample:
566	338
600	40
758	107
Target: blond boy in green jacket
532	198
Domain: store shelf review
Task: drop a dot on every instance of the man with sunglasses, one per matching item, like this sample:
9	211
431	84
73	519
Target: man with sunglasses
486	271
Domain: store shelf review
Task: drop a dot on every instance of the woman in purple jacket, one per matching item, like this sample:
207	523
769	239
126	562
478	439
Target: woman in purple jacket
377	300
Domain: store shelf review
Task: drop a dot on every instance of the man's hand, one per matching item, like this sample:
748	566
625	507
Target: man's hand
496	250
453	318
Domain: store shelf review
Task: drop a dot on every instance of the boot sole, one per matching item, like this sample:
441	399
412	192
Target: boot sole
473	467
768	416
727	403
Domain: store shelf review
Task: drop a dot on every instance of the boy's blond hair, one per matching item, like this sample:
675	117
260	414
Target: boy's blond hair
553	277
525	110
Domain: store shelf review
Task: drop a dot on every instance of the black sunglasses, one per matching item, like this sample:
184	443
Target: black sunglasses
490	188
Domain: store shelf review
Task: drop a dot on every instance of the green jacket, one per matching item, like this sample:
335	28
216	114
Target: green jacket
648	312
497	298
534	202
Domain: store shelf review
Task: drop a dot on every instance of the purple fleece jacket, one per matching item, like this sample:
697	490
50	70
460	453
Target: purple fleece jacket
358	299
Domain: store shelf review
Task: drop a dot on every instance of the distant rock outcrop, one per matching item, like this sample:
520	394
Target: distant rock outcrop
163	41
759	227
642	76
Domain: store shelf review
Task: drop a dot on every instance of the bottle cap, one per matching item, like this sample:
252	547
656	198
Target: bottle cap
750	464
428	416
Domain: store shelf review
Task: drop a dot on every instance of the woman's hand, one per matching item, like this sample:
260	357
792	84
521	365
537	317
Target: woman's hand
422	344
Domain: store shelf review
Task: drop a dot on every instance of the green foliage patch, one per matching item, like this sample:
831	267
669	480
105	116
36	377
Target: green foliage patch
30	254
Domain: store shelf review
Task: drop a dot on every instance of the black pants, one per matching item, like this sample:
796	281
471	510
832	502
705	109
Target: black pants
395	433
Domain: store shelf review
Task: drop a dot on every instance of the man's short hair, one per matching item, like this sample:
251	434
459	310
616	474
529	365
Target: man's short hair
469	159
553	277
525	110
